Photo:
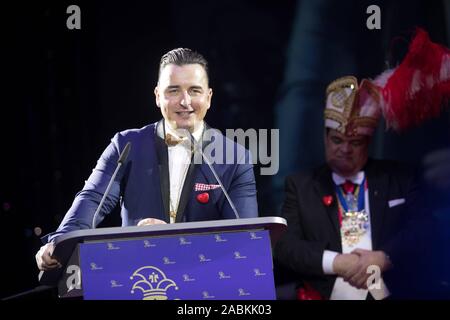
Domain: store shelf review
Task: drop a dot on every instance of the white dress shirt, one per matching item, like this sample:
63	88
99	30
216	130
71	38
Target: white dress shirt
179	157
343	290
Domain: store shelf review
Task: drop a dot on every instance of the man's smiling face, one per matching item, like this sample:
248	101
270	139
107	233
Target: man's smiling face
183	95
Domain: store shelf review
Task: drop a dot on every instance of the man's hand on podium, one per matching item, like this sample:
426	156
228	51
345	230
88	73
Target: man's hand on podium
150	221
44	258
45	261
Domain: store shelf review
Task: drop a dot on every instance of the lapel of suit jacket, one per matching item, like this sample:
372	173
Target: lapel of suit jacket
324	186
188	185
163	165
378	184
203	167
187	191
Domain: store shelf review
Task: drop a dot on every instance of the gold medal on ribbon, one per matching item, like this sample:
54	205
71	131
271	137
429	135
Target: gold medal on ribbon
354	226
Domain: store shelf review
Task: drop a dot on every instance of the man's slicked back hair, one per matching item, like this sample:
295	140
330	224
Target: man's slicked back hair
183	56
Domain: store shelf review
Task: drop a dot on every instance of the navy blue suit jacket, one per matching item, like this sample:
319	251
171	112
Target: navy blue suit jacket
142	184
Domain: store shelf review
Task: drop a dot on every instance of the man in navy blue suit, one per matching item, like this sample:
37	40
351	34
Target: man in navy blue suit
162	180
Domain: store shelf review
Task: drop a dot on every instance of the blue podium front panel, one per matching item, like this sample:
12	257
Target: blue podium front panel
222	266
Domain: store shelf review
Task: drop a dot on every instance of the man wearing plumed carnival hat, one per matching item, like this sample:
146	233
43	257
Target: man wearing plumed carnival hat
347	218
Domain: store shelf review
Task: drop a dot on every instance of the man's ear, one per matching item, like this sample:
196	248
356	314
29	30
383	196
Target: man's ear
156	91
210	93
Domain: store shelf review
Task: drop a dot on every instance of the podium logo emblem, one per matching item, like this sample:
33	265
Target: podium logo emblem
258	273
254	236
206	295
237	255
148	244
202	258
187	278
183	241
111	246
115	284
153	283
95	267
166	260
219	238
242	292
222	275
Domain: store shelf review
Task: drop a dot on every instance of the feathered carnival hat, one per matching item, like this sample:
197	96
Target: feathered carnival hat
406	96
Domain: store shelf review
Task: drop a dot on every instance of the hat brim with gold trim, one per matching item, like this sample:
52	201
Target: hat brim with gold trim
352	109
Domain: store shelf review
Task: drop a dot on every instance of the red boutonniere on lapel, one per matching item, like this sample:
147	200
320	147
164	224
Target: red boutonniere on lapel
327	200
203	197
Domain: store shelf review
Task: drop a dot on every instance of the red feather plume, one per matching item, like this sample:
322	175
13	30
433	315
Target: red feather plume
419	87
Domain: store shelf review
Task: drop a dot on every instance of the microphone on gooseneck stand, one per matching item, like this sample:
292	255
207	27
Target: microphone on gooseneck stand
123	157
199	148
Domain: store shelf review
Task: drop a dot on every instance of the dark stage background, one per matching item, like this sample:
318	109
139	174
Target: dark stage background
68	91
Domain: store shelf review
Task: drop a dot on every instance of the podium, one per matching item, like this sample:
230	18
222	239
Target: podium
208	260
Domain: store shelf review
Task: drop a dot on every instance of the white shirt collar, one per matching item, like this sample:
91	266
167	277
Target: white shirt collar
356	179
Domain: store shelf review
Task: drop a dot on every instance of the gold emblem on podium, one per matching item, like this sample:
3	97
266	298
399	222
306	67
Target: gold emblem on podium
153	283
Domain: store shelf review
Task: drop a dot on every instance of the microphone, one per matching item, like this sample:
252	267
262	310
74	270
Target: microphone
198	147
123	157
